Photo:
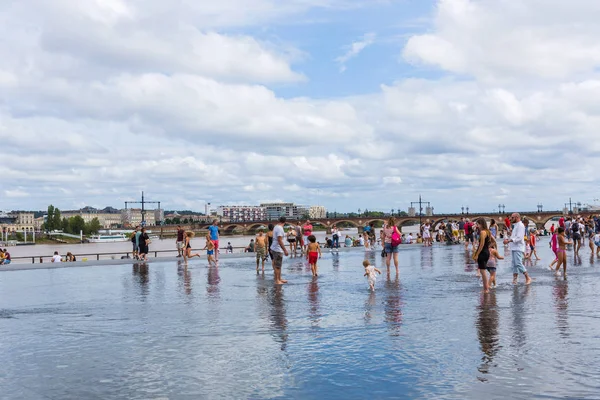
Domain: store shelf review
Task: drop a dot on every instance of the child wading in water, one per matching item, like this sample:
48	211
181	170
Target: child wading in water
313	253
370	273
554	246
491	265
562	252
210	251
187	252
532	243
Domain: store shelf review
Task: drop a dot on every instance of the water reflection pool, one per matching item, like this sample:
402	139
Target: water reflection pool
162	331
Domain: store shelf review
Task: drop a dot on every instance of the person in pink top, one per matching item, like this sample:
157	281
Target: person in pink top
388	231
307	229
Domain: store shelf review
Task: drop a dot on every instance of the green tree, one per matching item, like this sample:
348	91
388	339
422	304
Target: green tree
65	226
76	224
176	221
93	227
49	224
57	221
168	221
185	221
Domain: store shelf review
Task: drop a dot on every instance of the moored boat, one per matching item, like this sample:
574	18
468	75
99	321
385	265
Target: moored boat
108	238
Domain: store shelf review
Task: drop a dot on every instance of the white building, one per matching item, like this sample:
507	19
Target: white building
317	212
242	213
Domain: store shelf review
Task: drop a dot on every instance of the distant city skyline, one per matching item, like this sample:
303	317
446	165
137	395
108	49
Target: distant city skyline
214	208
341	103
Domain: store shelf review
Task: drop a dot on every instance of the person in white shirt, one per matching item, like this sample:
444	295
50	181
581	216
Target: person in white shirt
278	250
56	257
517	248
409	239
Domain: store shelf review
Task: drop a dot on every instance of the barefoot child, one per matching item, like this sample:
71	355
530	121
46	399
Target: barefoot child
532	243
210	251
313	253
562	252
260	245
187	252
494	256
370	273
554	246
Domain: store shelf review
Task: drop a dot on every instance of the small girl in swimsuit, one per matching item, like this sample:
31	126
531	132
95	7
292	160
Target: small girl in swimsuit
313	253
370	273
491	264
554	247
187	253
210	251
562	252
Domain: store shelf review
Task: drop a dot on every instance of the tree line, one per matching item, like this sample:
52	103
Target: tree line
72	225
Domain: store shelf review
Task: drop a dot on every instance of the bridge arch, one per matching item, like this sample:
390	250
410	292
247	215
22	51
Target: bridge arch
347	221
231	228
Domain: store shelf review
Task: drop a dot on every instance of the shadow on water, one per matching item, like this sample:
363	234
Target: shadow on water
487	332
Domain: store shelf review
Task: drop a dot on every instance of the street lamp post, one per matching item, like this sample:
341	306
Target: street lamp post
462	209
467	210
420	203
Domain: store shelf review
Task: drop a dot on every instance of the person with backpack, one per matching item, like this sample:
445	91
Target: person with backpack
391	240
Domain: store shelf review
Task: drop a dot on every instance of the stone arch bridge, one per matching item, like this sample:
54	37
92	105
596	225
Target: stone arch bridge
538	218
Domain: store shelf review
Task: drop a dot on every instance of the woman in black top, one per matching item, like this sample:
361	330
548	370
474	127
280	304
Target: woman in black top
270	236
482	255
144	242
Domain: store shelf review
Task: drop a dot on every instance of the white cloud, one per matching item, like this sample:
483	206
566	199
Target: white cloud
15	193
498	40
355	49
191	110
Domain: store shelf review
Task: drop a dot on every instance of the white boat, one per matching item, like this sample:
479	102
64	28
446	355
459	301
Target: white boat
108	238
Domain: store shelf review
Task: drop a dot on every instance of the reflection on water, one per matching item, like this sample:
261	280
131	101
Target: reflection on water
487	331
369	306
185	277
427	333
393	304
277	315
313	302
519	313
213	280
561	303
140	272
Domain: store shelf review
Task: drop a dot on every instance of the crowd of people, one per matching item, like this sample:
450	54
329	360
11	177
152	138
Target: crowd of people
483	239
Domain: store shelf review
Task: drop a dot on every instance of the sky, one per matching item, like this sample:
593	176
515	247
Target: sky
343	103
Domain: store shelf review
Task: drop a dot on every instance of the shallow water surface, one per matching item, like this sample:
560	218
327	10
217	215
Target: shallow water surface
164	331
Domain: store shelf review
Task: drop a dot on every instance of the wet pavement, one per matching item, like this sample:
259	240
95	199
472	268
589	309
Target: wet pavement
163	331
